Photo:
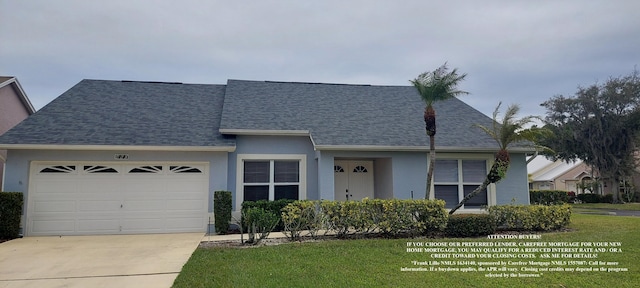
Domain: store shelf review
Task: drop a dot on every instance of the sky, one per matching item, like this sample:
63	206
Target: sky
515	52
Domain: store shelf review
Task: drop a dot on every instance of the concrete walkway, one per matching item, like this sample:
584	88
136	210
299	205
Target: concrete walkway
96	261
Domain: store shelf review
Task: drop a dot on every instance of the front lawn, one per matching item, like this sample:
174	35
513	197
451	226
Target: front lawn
378	262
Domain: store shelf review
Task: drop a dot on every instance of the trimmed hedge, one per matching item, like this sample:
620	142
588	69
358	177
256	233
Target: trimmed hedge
595	198
548	197
10	212
470	225
531	217
387	217
274	207
222	210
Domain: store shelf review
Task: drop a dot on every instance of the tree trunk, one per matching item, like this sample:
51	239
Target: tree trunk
471	195
430	127
432	164
496	173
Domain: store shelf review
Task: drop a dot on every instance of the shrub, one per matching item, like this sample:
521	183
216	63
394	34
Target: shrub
222	210
343	216
572	196
470	225
531	217
431	215
10	213
608	198
301	216
548	197
589	198
274	207
260	223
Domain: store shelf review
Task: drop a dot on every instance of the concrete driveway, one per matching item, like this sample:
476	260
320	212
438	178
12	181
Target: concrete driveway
96	261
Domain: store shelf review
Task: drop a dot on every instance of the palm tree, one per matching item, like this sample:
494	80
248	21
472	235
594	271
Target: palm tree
438	85
511	131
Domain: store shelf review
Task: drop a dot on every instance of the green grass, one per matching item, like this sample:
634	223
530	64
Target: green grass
377	262
608	206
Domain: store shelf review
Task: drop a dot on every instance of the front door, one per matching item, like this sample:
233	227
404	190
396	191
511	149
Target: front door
353	179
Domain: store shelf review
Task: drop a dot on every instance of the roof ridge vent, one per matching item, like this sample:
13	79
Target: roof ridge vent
317	83
150	82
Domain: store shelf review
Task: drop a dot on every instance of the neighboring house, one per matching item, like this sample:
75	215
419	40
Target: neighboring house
545	174
110	157
14	107
559	175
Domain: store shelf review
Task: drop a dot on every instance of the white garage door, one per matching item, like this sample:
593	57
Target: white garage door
116	198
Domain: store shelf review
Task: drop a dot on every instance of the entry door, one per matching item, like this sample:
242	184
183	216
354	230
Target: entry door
353	178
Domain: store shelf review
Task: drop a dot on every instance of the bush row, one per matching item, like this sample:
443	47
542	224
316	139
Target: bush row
388	217
470	225
10	213
595	198
548	197
531	217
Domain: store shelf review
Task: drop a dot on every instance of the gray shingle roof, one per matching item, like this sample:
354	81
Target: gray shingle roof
337	114
99	112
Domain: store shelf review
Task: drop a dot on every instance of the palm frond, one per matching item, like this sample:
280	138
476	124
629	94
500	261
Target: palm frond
512	130
439	84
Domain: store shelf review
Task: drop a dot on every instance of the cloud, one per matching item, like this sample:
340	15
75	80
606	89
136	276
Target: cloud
514	51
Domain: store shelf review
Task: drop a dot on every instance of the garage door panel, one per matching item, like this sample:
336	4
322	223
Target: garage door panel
184	224
110	199
54	206
185	205
144	205
54	227
98	205
147	225
55	186
101	226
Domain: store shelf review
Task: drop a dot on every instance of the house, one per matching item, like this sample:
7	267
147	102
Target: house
110	157
14	107
545	174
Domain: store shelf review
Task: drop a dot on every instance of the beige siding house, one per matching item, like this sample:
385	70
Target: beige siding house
14	107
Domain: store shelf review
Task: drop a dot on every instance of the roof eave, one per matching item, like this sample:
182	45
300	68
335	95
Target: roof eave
117	147
13	81
415	148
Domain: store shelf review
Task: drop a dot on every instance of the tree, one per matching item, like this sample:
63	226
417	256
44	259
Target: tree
510	131
600	124
437	85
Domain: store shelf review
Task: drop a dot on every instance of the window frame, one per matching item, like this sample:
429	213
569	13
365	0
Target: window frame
271	158
491	199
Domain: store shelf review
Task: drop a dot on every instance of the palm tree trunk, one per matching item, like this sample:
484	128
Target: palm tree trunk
496	173
475	192
432	163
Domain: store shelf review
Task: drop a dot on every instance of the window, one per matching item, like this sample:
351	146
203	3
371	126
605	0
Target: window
360	169
99	169
59	169
147	169
455	179
271	177
184	169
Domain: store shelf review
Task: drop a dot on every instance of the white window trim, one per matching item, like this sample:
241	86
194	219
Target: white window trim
302	190
491	189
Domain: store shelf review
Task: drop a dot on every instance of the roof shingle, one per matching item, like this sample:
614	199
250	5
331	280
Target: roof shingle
337	114
99	112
